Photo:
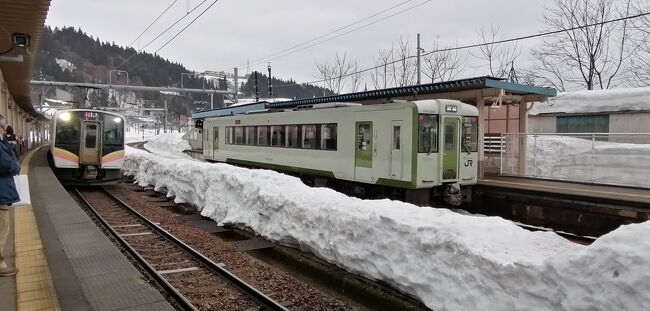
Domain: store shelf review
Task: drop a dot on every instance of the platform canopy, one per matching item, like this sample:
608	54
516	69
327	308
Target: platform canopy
26	17
466	90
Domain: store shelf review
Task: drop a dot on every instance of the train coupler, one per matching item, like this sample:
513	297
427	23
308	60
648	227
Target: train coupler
453	195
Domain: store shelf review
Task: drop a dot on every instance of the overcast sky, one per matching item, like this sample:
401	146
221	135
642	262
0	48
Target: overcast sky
233	31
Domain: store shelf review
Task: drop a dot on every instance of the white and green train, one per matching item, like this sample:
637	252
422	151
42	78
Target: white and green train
417	150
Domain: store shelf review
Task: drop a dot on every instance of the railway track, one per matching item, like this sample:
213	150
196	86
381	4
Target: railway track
191	279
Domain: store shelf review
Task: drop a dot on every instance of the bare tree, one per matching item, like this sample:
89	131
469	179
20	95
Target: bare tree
639	47
379	76
444	65
404	68
590	56
334	73
497	58
355	77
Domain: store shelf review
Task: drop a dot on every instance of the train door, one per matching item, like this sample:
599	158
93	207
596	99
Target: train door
450	148
396	150
90	148
363	151
215	141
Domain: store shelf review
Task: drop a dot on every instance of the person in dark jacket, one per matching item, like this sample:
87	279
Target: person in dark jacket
10	137
8	195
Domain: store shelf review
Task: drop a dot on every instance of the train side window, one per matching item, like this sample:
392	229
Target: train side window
229	135
215	133
328	136
262	135
292	136
277	136
239	135
397	134
250	135
309	137
427	133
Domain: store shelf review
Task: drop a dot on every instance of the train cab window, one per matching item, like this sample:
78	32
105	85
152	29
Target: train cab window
113	131
262	135
215	138
292	136
470	134
328	136
250	135
277	136
309	137
239	135
427	133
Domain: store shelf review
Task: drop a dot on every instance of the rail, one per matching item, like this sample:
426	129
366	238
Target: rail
601	158
261	298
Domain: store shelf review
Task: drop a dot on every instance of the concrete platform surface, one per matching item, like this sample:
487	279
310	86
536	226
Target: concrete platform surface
636	196
88	271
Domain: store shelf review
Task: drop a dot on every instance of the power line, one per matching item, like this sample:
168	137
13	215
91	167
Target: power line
329	33
543	34
347	32
160	35
154	21
188	25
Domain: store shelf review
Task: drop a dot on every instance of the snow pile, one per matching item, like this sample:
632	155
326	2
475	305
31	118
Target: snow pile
626	99
168	144
65	64
570	158
448	260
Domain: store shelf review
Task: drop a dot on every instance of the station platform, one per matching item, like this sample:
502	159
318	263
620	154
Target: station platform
606	194
65	261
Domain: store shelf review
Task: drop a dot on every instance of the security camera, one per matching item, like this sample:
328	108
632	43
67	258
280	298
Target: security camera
20	40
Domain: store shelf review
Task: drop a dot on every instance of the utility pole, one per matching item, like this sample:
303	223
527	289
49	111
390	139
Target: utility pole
236	85
270	83
165	126
419	53
257	94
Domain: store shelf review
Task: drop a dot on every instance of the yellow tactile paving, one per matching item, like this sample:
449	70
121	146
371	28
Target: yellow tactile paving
33	283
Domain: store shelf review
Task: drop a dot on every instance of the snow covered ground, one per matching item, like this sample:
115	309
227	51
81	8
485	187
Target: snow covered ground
448	260
168	144
570	158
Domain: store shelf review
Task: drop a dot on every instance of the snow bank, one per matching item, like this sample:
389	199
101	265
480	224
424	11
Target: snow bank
570	158
626	99
448	260
168	144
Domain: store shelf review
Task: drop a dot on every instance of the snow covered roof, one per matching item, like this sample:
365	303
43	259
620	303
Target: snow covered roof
613	100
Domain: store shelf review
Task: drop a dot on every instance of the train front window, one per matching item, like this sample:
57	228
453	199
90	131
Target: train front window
67	132
427	133
113	131
91	136
470	134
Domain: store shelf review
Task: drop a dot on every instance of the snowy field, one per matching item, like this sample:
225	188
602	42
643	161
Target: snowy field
448	260
168	144
571	158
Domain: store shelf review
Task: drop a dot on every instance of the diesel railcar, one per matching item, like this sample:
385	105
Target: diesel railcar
87	146
418	149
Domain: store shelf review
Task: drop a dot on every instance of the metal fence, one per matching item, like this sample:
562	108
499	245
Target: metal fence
601	158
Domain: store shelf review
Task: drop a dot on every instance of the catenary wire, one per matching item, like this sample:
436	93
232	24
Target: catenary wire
543	34
154	21
160	35
329	33
187	26
345	33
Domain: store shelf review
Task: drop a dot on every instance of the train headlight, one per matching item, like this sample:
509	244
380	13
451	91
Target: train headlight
117	120
65	117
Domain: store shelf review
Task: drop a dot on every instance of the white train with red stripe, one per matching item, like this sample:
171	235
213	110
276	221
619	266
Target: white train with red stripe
87	146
